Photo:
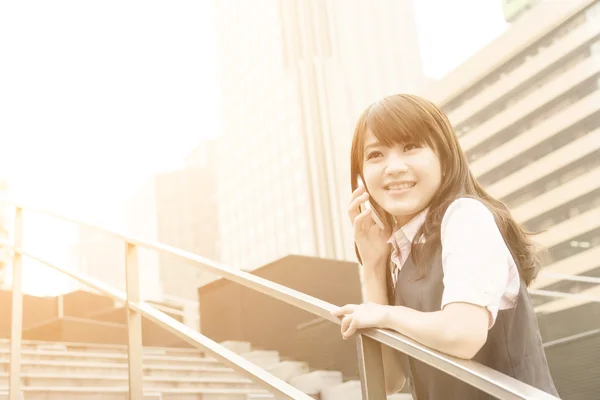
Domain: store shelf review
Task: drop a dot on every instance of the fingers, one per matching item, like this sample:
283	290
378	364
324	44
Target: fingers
357	192
346	322
354	207
363	223
346	327
368	222
351	330
347	309
349	324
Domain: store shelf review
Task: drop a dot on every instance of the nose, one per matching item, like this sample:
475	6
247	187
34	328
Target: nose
396	165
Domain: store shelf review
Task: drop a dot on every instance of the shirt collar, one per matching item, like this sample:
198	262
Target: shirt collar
408	232
401	242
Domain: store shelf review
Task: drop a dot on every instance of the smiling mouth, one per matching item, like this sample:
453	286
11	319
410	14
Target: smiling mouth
400	186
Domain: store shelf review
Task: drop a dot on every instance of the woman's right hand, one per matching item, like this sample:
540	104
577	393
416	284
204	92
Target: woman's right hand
370	240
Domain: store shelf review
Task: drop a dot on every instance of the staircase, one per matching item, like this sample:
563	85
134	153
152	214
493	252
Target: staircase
75	348
65	371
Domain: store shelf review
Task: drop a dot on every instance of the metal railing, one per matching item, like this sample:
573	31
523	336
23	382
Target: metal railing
369	341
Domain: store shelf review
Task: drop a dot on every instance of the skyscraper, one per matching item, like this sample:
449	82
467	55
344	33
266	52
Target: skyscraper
294	76
514	9
527	111
177	208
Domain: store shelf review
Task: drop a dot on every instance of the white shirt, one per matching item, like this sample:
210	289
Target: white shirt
477	264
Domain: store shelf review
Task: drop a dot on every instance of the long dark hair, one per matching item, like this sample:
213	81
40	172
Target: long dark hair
409	118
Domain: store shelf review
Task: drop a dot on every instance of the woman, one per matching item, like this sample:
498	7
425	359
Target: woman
450	268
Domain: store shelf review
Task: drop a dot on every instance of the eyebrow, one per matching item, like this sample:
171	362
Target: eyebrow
371	145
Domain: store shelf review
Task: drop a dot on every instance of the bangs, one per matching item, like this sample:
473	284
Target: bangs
398	123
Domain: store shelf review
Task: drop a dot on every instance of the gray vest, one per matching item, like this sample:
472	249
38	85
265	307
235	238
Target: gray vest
513	347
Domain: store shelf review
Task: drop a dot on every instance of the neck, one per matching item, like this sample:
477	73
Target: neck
402	220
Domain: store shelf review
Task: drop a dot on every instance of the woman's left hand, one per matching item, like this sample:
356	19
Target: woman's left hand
359	316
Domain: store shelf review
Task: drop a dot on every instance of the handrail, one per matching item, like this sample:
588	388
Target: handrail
475	374
563	295
225	355
572	338
569	277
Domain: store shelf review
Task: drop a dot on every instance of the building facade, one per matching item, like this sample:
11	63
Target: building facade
177	208
527	111
295	76
514	9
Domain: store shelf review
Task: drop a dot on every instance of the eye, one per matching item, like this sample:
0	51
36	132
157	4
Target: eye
411	146
373	154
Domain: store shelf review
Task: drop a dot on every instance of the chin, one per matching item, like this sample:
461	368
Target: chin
403	211
402	215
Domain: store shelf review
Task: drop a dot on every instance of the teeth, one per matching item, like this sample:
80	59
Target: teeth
401	186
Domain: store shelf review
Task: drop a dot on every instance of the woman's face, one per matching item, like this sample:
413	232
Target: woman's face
402	178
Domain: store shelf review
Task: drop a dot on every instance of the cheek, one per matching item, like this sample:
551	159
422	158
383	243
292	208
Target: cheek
372	177
436	173
431	171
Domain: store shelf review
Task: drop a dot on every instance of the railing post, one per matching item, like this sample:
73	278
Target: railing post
60	305
16	322
134	325
370	365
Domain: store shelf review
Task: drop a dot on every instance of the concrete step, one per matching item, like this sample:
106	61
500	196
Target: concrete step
100	348
107	393
287	370
314	382
350	390
4	395
158	382
237	346
262	358
52	371
260	396
149	359
83	367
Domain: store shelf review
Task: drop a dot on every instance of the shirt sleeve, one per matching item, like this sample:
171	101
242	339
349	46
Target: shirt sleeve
475	258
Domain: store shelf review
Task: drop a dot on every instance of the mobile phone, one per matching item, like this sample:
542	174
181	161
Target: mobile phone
366	205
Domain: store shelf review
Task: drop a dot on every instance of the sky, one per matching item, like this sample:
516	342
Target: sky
452	31
96	97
